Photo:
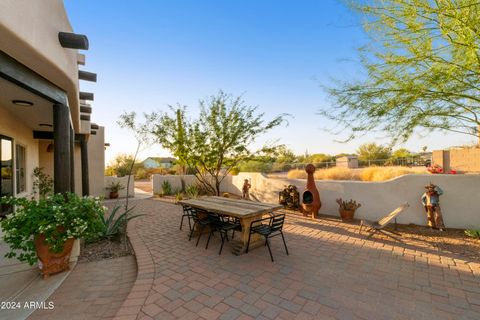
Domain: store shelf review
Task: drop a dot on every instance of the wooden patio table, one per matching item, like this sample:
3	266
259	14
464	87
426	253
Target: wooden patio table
246	211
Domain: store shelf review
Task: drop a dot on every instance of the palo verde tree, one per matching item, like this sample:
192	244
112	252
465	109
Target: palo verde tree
373	151
422	69
212	145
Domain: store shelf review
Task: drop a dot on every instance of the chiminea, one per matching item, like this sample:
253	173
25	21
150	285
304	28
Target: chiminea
310	197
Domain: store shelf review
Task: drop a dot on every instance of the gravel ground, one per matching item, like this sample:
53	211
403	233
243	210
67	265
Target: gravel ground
105	249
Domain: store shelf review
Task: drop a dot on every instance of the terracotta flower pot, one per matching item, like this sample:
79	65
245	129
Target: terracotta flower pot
346	215
113	195
50	262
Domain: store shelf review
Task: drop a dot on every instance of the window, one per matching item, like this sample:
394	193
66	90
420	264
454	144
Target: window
6	171
20	168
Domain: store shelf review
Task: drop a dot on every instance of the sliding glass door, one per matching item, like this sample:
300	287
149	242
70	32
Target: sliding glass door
6	168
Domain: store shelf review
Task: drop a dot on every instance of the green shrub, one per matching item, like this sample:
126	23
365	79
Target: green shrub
179	195
59	217
192	191
141	174
473	233
166	188
42	183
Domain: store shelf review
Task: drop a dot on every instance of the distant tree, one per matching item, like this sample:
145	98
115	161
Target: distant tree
318	158
401	156
215	143
284	155
422	70
120	166
255	166
373	151
401	153
343	154
424	148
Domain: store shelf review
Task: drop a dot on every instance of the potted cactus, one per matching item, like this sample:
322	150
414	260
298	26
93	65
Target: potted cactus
347	208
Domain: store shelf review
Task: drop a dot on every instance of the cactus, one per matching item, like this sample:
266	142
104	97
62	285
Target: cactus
350	205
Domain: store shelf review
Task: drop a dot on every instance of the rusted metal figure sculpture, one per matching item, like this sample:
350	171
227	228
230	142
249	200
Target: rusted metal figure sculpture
311	198
431	202
246	189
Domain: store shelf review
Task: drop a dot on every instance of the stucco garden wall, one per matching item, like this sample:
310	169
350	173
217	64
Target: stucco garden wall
175	182
123	181
460	202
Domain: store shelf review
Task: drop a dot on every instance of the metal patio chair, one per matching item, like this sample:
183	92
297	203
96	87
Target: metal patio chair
187	213
268	230
222	225
201	220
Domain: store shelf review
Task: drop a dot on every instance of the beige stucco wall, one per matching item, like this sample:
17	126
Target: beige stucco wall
123	181
45	158
96	162
175	182
459	203
29	33
11	127
466	160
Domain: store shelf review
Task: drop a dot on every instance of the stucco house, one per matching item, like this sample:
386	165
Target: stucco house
45	120
158	162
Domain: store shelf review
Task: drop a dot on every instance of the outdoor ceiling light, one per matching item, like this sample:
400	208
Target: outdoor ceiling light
22	103
45	125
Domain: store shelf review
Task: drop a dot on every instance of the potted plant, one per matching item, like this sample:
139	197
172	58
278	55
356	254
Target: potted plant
45	229
347	209
114	187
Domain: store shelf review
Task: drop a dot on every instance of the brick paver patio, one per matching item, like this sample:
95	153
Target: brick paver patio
94	290
332	272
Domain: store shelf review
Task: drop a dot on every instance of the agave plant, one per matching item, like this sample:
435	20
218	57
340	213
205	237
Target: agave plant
166	188
112	225
192	191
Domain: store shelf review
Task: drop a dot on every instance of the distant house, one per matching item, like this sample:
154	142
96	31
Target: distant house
158	162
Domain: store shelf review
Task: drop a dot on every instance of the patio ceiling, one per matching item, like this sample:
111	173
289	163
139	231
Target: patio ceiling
31	116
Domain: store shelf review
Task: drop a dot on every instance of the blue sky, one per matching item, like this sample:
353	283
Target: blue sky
277	54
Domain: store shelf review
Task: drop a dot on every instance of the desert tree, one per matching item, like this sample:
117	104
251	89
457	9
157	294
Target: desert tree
217	141
422	70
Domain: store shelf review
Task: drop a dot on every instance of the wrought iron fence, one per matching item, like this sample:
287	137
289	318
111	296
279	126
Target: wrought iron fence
404	162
